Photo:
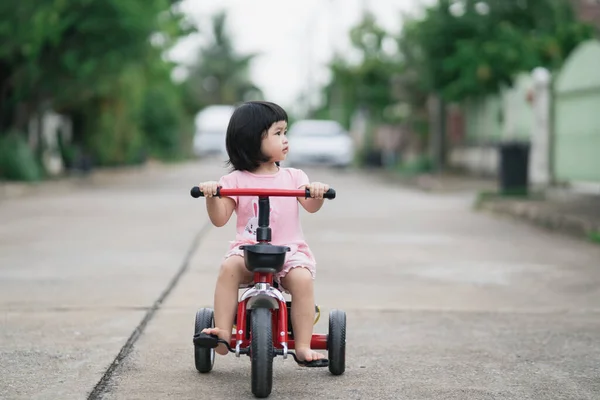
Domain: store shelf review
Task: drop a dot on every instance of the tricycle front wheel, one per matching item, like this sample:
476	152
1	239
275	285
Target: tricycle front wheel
336	342
261	352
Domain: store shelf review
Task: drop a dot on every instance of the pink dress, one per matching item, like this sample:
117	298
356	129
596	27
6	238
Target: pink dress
284	218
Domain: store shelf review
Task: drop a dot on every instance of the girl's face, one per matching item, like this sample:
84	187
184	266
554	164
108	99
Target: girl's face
275	143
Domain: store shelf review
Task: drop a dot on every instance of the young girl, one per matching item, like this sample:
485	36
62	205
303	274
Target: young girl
256	141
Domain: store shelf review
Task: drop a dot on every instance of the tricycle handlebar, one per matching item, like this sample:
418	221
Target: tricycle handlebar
196	192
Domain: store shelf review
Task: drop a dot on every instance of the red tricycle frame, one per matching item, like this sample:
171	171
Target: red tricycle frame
280	327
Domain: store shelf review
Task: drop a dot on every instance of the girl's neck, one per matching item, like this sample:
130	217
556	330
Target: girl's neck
268	168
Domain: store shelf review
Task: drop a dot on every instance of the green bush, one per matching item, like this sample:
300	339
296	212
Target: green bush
17	160
594	237
114	138
162	123
422	164
113	133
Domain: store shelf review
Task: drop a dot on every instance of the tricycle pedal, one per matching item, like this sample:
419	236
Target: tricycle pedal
206	341
323	362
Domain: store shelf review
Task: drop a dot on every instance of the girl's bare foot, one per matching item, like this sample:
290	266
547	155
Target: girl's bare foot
307	354
222	334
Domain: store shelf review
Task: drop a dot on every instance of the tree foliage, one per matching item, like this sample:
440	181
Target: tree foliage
220	75
98	62
457	49
364	84
480	49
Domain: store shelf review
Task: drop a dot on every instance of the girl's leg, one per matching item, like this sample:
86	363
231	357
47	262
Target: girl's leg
233	272
299	282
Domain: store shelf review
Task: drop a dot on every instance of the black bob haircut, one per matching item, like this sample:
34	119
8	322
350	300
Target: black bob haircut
247	127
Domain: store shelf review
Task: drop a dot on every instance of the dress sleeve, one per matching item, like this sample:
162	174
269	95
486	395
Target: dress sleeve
301	178
229	182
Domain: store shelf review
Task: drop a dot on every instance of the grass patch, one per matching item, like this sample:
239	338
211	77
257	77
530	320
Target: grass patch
485	196
17	160
413	168
513	194
594	237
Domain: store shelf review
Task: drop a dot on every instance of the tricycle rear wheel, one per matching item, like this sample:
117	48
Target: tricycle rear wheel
204	358
261	352
336	342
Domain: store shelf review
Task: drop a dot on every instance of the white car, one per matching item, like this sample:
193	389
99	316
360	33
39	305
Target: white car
210	130
322	142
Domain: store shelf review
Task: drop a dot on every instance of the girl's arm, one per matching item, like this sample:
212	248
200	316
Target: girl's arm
219	210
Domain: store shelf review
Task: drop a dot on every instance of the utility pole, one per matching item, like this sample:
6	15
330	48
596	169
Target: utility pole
437	132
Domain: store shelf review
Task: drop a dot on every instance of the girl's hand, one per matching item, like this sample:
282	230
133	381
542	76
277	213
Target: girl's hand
209	188
317	189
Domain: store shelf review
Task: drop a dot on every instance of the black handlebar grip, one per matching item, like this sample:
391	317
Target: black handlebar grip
195	192
330	194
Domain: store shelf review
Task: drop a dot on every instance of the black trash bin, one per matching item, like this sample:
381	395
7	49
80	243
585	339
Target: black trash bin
514	168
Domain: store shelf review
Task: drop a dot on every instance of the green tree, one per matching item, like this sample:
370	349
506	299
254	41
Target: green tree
66	51
220	75
91	60
481	49
365	84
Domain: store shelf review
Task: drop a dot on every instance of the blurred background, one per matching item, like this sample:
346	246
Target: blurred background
111	110
406	85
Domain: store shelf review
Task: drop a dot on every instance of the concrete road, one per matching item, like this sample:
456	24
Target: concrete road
99	286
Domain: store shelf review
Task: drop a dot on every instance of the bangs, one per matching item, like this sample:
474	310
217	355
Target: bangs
267	114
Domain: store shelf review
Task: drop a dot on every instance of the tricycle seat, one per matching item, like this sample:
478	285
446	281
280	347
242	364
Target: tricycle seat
264	257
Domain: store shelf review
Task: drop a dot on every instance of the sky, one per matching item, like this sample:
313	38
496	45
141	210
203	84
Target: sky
294	38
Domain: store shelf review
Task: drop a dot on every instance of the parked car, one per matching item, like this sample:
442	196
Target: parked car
323	142
210	130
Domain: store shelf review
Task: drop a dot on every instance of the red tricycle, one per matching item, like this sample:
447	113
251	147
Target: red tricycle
263	327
